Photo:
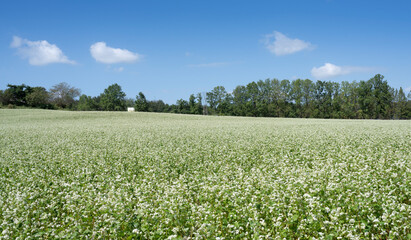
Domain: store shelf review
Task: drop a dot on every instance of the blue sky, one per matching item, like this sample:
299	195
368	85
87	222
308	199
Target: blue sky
170	49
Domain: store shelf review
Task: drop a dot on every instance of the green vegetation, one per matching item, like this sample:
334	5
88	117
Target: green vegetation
119	175
372	99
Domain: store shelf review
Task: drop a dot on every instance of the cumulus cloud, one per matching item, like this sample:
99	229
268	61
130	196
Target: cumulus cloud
39	52
279	44
105	54
329	70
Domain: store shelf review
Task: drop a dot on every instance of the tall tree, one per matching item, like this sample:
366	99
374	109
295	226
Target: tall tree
403	111
349	99
113	98
87	103
320	96
253	96
192	104
141	103
157	106
336	101
216	97
16	94
225	108
284	105
366	100
382	94
130	102
183	106
240	99
38	97
5	97
297	95
199	104
63	95
274	94
307	97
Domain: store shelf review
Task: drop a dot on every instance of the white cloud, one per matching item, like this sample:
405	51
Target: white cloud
17	42
105	54
329	70
282	45
39	52
407	90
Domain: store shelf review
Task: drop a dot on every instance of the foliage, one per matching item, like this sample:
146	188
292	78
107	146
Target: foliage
38	97
63	95
158	106
401	105
15	94
141	103
372	99
182	106
130	102
86	103
219	100
25	96
114	175
113	98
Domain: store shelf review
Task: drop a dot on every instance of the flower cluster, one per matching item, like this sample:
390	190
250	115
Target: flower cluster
106	175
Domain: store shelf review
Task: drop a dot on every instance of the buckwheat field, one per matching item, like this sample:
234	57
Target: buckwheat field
106	175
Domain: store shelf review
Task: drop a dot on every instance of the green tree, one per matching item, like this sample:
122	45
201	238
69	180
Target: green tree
409	105
130	102
403	111
366	100
336	101
38	97
113	98
86	103
383	96
16	94
216	97
285	105
297	95
192	104
307	90
225	108
183	106
349	99
320	96
157	106
141	103
240	99
199	104
253	96
5	97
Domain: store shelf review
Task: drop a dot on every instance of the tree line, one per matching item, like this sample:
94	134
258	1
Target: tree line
300	98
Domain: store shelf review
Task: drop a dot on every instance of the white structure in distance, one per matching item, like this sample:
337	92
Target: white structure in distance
130	109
